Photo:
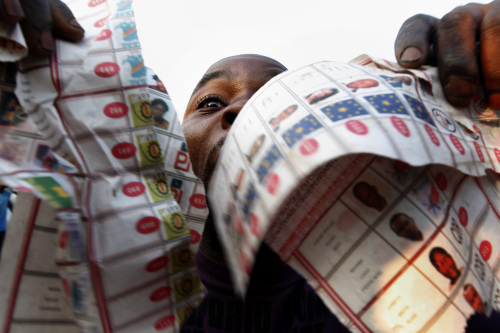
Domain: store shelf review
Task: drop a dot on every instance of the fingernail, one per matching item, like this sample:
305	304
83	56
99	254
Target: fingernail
13	8
411	54
75	24
459	90
494	101
47	41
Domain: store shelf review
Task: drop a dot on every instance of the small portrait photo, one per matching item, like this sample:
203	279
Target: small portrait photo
11	112
472	296
397	172
362	84
45	158
275	121
397	81
255	147
159	84
320	95
369	196
445	264
160	108
404	226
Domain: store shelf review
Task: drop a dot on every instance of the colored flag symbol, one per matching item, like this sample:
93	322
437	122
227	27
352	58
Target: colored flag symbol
270	158
344	110
176	183
136	63
124	5
50	190
184	147
387	103
305	126
129	30
433	204
419	110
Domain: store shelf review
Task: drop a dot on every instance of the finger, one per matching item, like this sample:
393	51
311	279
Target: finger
490	48
414	40
64	24
458	68
11	11
37	27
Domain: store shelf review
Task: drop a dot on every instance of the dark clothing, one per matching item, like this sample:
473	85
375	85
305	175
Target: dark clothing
278	300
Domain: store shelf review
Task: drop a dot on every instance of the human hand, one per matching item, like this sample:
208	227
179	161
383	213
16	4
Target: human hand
466	44
41	21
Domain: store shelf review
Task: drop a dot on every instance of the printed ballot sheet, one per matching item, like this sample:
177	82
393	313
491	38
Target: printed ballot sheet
359	175
383	196
109	211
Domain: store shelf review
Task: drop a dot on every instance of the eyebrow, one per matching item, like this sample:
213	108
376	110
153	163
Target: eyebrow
212	76
267	75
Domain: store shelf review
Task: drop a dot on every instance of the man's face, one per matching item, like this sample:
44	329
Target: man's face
216	101
368	195
404	226
315	96
446	265
473	298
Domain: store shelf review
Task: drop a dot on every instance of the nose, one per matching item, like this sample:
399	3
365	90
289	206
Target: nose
231	111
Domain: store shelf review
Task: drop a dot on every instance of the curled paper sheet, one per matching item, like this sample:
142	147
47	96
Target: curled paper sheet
12	44
104	241
363	178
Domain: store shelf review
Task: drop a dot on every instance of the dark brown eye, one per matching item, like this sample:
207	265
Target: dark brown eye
210	103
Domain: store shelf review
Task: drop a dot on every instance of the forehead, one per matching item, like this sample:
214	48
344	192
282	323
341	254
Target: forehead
242	68
243	63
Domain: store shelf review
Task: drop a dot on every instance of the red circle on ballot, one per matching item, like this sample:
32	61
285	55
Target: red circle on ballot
106	69
160	294
104	34
497	154
400	125
116	110
147	225
441	181
485	249
357	127
479	151
463	216
432	135
254	225
457	144
157	264
309	146
133	189
273	183
195	236
123	150
165	322
197	200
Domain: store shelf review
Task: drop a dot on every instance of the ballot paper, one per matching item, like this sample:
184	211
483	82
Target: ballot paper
109	213
365	180
356	174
